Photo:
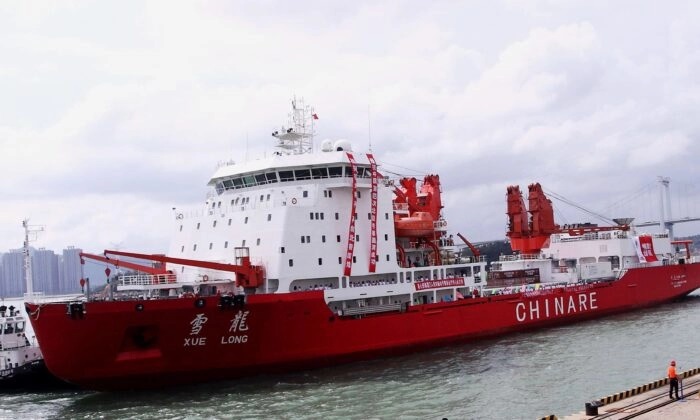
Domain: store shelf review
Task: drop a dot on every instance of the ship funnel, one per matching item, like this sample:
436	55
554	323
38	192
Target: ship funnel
624	221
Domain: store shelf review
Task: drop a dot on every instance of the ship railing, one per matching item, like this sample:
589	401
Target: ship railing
372	309
518	257
146	279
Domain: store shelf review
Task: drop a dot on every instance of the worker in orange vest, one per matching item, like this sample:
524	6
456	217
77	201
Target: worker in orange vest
672	380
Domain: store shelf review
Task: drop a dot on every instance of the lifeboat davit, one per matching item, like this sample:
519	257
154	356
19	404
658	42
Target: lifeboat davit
419	225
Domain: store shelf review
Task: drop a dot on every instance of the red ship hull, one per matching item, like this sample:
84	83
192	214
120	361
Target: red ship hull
115	346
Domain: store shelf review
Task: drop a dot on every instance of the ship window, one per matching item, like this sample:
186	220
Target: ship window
330	194
229	222
226	244
337	216
194	247
286	176
387	257
321	216
267	198
219	188
180	228
359	195
269	217
320	261
386	237
323	238
218	204
325	193
237	183
182	249
300	174
305	194
232	201
249	180
355	216
257	242
262	196
281	250
245	221
213	205
338	238
357	238
271	177
335	171
348	171
386	216
369	216
319	173
198	226
247	200
360	172
303	239
182	269
228	184
340	260
317	216
354	259
243	243
260	179
214	224
211	245
311	216
291	262
308	239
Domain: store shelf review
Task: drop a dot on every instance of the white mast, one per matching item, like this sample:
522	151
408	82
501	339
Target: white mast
27	257
298	137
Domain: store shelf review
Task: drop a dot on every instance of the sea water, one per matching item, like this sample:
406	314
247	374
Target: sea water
517	376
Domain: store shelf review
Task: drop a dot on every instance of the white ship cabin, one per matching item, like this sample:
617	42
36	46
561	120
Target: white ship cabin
291	213
594	256
15	349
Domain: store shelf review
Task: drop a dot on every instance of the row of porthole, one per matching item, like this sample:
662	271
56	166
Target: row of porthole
340	260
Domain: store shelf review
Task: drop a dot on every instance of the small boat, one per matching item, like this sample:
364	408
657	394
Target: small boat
21	362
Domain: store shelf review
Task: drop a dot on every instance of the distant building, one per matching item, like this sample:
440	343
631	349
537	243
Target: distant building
45	272
69	280
52	274
13	273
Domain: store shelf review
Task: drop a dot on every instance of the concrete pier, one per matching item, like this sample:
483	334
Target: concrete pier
648	401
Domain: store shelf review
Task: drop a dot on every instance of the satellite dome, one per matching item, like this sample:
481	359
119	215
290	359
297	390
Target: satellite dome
327	145
342	146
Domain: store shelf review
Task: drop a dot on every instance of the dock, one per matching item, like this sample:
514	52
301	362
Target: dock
648	401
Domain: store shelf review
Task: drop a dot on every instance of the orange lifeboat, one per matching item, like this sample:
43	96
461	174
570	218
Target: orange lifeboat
419	225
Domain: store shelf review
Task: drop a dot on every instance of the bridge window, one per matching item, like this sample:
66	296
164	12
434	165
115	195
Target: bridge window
271	177
335	171
286	176
319	173
260	179
249	181
301	174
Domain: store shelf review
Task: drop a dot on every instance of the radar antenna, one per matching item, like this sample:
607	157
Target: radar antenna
298	136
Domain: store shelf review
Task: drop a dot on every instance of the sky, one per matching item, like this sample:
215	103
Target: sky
113	112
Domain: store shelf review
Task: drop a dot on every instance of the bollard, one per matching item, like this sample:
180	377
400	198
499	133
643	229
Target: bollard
592	408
